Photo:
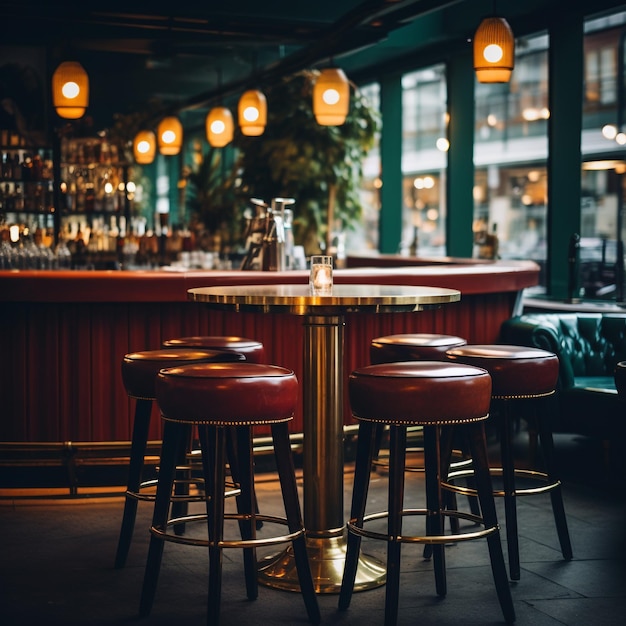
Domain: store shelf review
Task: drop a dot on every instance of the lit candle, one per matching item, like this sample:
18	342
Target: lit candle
321	274
322	277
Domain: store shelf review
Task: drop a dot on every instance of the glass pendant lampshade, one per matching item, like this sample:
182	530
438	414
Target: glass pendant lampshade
170	136
70	90
494	51
220	127
252	113
331	97
144	147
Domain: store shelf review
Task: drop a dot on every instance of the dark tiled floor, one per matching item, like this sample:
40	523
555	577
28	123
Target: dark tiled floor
56	558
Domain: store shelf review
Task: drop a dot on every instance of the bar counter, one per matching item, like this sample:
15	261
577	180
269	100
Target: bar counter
63	334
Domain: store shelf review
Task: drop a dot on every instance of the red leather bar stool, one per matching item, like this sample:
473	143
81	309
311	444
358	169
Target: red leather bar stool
416	347
217	399
412	347
409	347
253	350
440	397
139	371
521	377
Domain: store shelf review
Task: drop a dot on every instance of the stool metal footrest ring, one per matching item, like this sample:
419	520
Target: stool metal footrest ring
383	460
234	543
232	490
548	485
430	539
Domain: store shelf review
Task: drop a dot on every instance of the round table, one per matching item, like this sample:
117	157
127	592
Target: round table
322	391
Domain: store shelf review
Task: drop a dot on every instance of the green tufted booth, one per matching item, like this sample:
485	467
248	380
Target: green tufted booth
589	346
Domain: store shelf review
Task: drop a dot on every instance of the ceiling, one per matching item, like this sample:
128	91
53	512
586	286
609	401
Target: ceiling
189	54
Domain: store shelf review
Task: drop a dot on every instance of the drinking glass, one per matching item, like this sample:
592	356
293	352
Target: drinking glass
321	276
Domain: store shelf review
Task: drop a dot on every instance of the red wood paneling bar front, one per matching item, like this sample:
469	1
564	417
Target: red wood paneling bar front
63	334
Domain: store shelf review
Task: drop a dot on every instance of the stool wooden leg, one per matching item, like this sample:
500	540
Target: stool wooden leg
478	446
173	434
366	445
246	506
397	467
472	500
141	424
380	434
434	503
213	445
508	481
446	445
556	495
231	451
289	489
180	507
446	439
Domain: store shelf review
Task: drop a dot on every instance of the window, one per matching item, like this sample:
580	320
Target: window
424	146
510	188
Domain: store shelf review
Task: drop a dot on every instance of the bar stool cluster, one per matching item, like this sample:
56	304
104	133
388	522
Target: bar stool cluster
216	389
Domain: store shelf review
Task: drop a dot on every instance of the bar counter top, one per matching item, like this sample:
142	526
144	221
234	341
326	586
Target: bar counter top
468	276
64	333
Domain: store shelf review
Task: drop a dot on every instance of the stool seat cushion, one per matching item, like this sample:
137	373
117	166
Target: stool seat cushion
516	371
227	393
253	350
420	392
139	369
412	347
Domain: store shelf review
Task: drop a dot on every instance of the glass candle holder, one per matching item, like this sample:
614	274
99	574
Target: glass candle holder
321	276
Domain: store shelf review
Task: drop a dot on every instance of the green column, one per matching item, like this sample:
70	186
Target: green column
390	221
564	152
173	173
460	178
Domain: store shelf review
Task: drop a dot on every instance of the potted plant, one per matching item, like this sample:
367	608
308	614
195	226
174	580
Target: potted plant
211	198
318	166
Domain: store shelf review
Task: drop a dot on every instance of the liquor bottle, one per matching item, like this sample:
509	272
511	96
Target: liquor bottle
18	198
495	242
27	168
90	197
414	244
5	172
79	258
63	254
9	205
16	167
37	167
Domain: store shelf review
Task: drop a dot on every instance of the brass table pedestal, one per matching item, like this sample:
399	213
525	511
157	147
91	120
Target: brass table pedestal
327	557
322	392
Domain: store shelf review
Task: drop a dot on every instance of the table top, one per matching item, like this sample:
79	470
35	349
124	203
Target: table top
345	298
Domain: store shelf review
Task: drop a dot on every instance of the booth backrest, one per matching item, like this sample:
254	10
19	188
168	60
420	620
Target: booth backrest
587	344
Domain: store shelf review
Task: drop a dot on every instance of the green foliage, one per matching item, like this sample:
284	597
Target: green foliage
295	157
298	158
211	194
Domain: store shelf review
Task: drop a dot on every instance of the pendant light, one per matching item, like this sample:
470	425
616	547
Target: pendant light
144	147
170	136
220	127
70	90
331	97
252	113
494	51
